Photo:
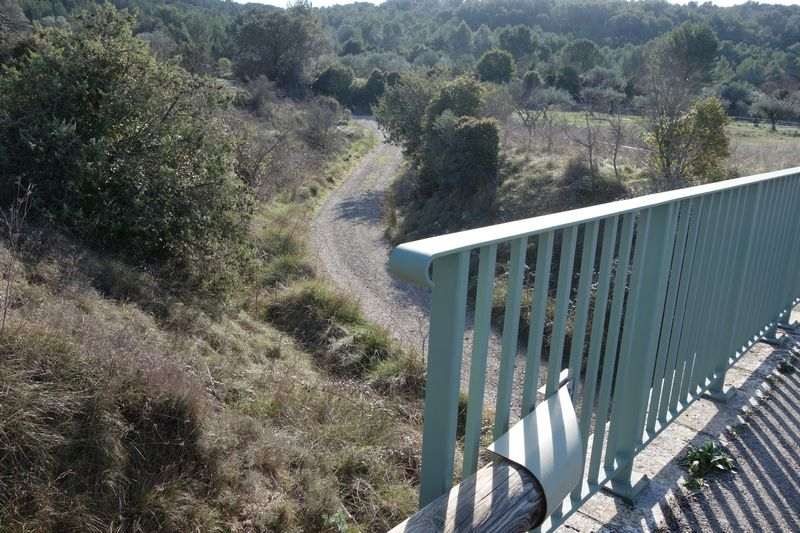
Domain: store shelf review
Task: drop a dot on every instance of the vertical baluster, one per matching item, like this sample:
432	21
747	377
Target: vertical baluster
735	241
508	354
590	234
692	369
598	328
448	309
771	296
541	294
791	291
760	310
642	318
786	252
752	198
566	264
681	222
480	347
612	344
717	271
765	304
677	362
749	325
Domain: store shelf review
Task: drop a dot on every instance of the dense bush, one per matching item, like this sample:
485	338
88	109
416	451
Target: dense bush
334	81
496	66
279	45
461	154
121	148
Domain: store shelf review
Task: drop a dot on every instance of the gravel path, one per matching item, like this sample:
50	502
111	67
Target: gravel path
347	236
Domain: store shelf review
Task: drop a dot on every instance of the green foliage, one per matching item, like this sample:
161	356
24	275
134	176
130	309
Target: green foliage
518	40
462	97
334	81
401	110
352	47
709	459
460	40
686	53
364	96
693	146
279	45
332	327
496	66
774	109
461	154
122	148
582	55
707	121
531	81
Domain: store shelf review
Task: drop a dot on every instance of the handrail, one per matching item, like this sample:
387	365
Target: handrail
647	302
411	261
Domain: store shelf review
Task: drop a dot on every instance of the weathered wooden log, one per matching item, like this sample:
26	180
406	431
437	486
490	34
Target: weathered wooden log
501	497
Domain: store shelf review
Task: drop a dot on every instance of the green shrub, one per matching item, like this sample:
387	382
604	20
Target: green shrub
334	81
496	66
123	149
462	154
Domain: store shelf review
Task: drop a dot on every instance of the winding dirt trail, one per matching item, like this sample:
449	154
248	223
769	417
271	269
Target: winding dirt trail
347	237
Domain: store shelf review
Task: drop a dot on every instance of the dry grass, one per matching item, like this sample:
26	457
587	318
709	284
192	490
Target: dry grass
125	409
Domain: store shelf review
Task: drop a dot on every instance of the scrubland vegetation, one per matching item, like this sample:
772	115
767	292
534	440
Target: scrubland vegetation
169	360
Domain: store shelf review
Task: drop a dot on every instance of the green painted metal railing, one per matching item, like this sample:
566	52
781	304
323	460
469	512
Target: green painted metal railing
661	293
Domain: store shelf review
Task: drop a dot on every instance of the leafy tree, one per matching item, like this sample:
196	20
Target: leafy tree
692	147
691	49
462	97
737	96
460	40
401	110
568	80
365	95
531	81
334	81
496	66
392	35
710	144
121	148
773	109
352	47
14	30
461	153
346	33
278	45
582	55
482	40
518	40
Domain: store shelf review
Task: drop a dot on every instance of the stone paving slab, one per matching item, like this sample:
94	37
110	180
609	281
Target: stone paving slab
664	503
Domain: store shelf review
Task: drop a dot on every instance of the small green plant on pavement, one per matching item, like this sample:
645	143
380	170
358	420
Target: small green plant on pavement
709	459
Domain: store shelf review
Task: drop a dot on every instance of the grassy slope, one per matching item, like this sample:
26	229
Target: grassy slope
113	420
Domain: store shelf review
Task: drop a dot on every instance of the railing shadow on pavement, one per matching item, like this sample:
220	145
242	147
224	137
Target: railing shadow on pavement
759	494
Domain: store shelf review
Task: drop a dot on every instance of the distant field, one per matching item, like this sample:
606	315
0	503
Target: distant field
754	146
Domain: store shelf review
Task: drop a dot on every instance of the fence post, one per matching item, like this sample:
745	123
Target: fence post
448	310
640	336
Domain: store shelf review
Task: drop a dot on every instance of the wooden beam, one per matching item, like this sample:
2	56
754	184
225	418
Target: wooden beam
501	497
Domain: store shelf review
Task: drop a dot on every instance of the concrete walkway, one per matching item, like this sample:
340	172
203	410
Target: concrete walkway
759	426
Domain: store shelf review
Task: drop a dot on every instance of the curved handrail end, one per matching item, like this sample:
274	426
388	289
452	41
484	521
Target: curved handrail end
411	264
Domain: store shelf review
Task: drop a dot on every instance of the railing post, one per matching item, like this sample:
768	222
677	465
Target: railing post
640	336
742	257
448	309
